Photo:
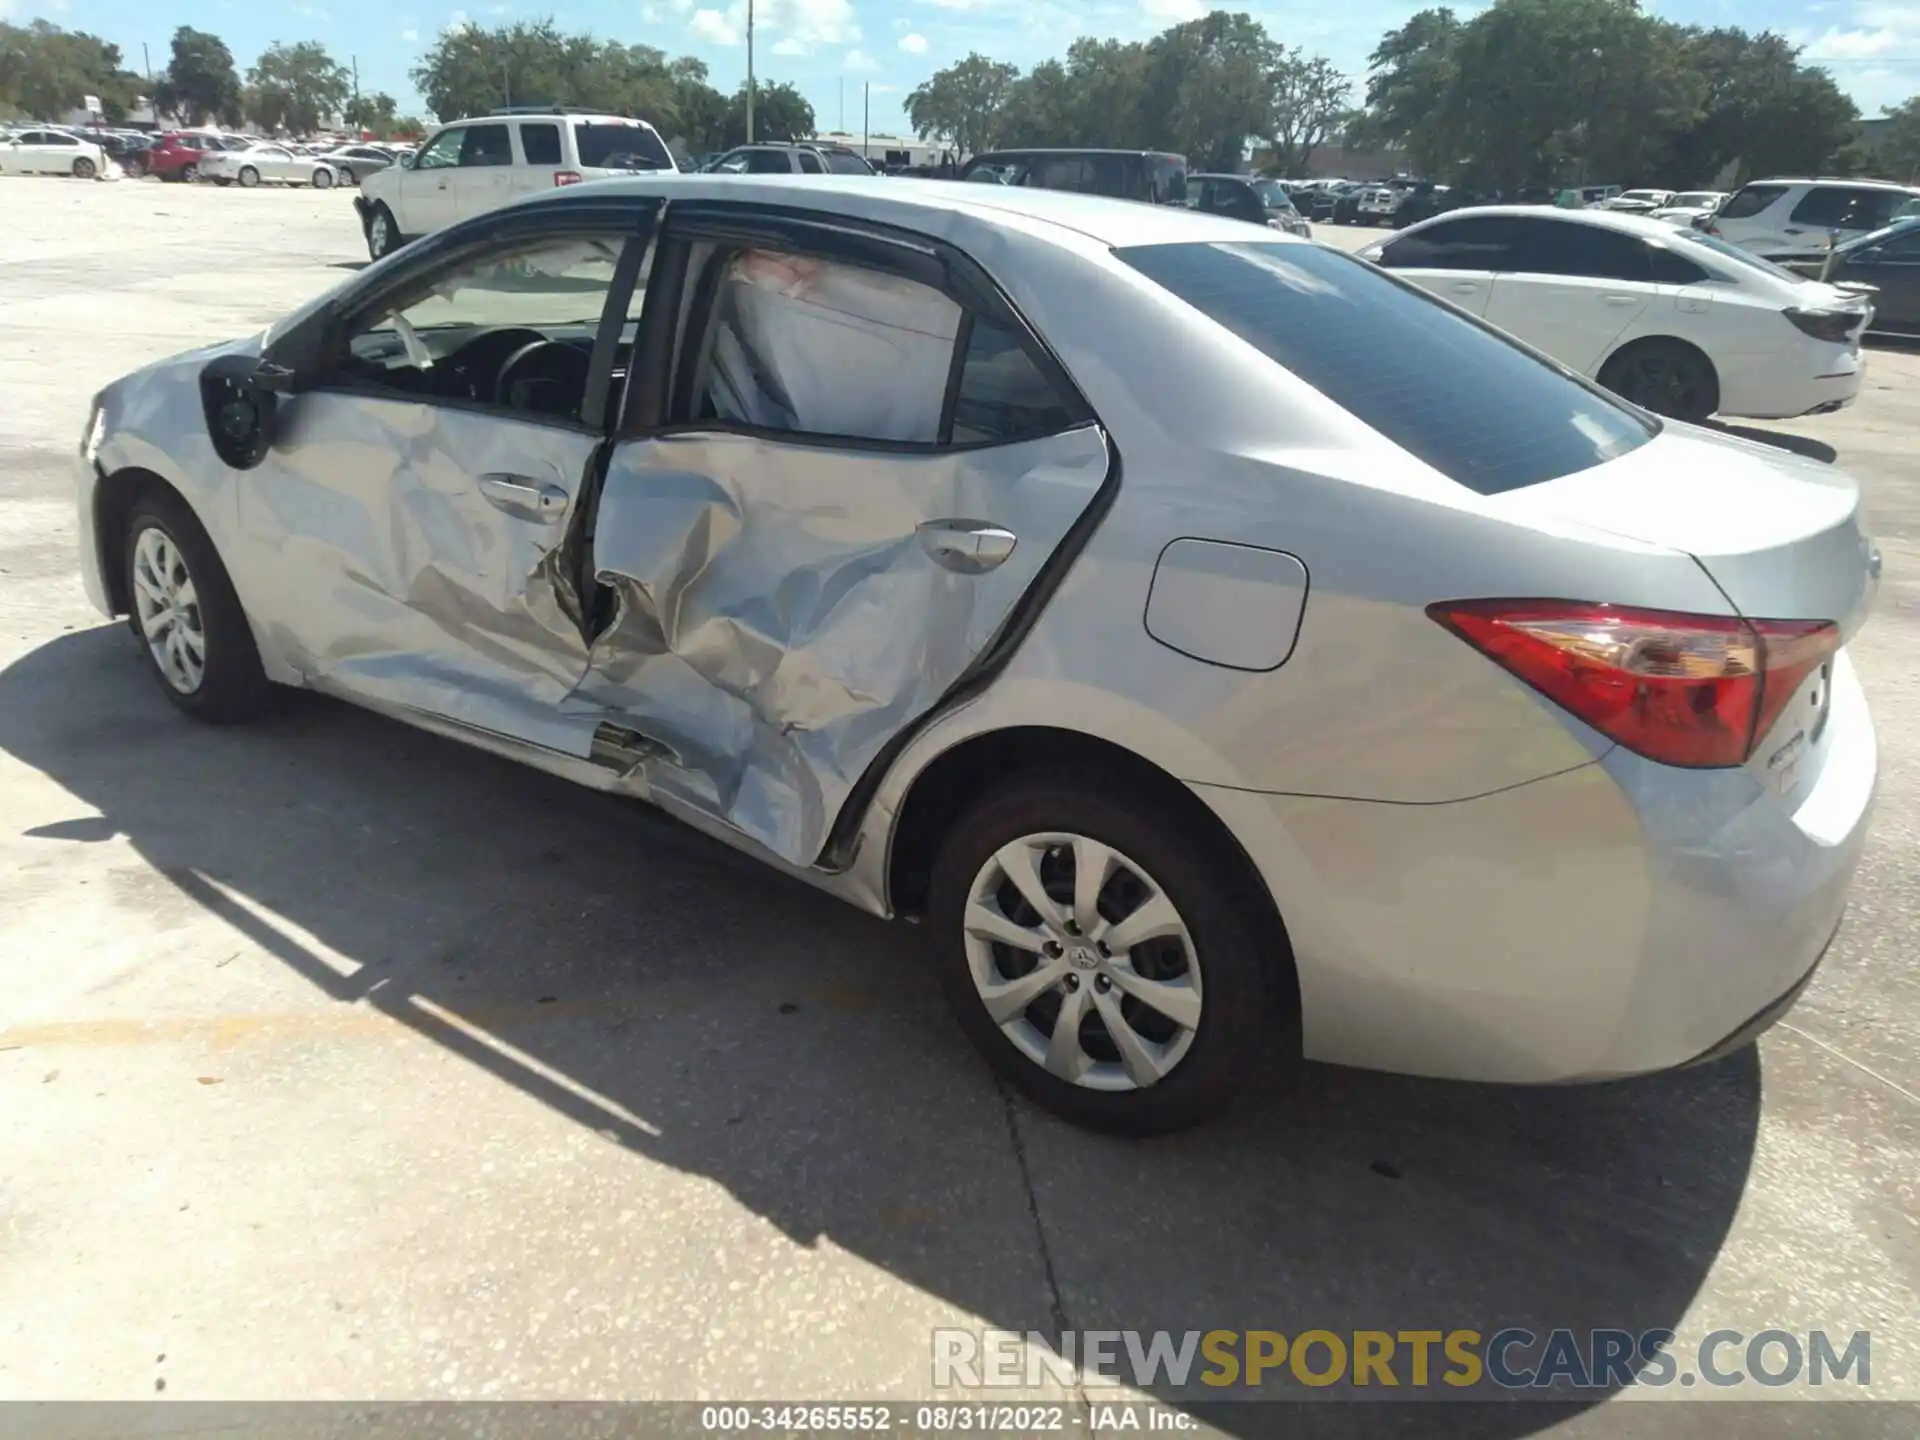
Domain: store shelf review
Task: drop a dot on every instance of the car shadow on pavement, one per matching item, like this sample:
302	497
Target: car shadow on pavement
686	1004
1805	445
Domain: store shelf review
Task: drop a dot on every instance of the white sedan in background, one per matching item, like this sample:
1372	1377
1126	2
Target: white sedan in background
51	152
1679	322
1690	207
278	164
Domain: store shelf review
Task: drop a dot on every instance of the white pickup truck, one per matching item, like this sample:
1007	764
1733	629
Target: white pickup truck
473	165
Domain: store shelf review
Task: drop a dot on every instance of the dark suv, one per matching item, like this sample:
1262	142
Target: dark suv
1150	175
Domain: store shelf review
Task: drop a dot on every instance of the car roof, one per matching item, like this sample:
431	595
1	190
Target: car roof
906	201
1833	180
1073	150
1605	219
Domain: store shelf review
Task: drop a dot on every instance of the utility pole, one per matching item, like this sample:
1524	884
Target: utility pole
843	104
866	117
358	119
146	62
749	72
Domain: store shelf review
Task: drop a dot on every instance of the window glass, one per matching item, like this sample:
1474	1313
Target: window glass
811	345
444	339
1902	245
1477	243
1672	268
1273	195
1447	388
734	164
442	152
540	144
844	162
768	162
1168	178
620	145
486	145
1003	395
1567	247
1060	172
33	137
809	162
1750	200
59	139
1841	207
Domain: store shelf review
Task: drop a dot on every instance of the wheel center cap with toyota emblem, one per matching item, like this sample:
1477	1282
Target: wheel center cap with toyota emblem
1083	957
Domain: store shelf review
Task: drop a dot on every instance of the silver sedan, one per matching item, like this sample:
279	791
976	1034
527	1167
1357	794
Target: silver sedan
269	164
1214	642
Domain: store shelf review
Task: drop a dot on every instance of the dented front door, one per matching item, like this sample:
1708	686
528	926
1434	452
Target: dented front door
416	555
784	609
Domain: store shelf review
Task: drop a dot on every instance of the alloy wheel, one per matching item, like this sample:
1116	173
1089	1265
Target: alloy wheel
168	608
380	234
249	177
1083	961
83	169
1665	384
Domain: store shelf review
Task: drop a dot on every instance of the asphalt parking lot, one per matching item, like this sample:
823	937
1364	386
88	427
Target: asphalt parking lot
339	1061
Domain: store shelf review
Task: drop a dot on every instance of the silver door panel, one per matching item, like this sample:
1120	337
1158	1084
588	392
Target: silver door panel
781	615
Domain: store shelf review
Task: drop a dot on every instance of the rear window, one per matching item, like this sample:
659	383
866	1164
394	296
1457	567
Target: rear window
845	162
1445	387
1751	200
609	145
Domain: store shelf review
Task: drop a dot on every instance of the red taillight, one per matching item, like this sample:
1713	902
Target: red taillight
567	177
1693	690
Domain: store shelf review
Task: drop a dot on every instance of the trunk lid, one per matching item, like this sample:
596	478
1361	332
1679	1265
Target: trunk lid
1779	534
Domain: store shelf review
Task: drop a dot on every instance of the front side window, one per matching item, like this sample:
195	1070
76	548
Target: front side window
540	144
513	328
768	162
1273	195
486	145
1448	389
815	346
734	164
845	162
442	151
1480	243
1750	200
1567	247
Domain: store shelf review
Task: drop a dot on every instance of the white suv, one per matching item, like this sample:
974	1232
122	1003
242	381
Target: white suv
1793	219
473	165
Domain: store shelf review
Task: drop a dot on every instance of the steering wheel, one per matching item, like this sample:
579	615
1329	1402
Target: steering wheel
545	377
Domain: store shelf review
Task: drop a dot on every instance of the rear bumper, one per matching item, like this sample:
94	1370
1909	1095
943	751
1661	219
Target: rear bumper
1812	378
1617	919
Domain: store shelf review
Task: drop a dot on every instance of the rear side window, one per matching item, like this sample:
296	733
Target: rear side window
541	144
1751	200
609	145
1483	242
1168	179
1446	388
1003	396
1673	269
1842	207
809	162
1566	247
486	145
841	162
768	162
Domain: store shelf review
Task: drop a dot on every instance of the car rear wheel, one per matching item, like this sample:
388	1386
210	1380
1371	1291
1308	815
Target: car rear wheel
184	612
383	235
323	179
1098	956
248	177
1668	377
84	169
190	171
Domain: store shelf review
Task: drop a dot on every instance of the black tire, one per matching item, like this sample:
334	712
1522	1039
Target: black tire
1668	377
1233	956
233	687
190	171
323	179
84	169
382	240
248	177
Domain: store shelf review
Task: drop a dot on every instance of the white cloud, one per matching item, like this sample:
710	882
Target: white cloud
914	44
1839	44
1174	9
791	46
715	28
859	60
411	36
811	22
458	20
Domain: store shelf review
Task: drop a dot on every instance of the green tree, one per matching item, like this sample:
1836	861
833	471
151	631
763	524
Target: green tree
780	112
1761	110
962	105
46	71
1207	88
1896	153
373	112
1307	99
299	88
200	82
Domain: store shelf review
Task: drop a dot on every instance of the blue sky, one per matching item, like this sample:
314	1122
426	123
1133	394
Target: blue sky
833	47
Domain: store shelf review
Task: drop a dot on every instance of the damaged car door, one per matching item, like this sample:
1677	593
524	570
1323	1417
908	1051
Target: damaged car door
414	513
863	465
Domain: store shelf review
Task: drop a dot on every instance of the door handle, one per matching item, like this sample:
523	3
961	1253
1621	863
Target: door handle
970	547
528	499
1794	230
